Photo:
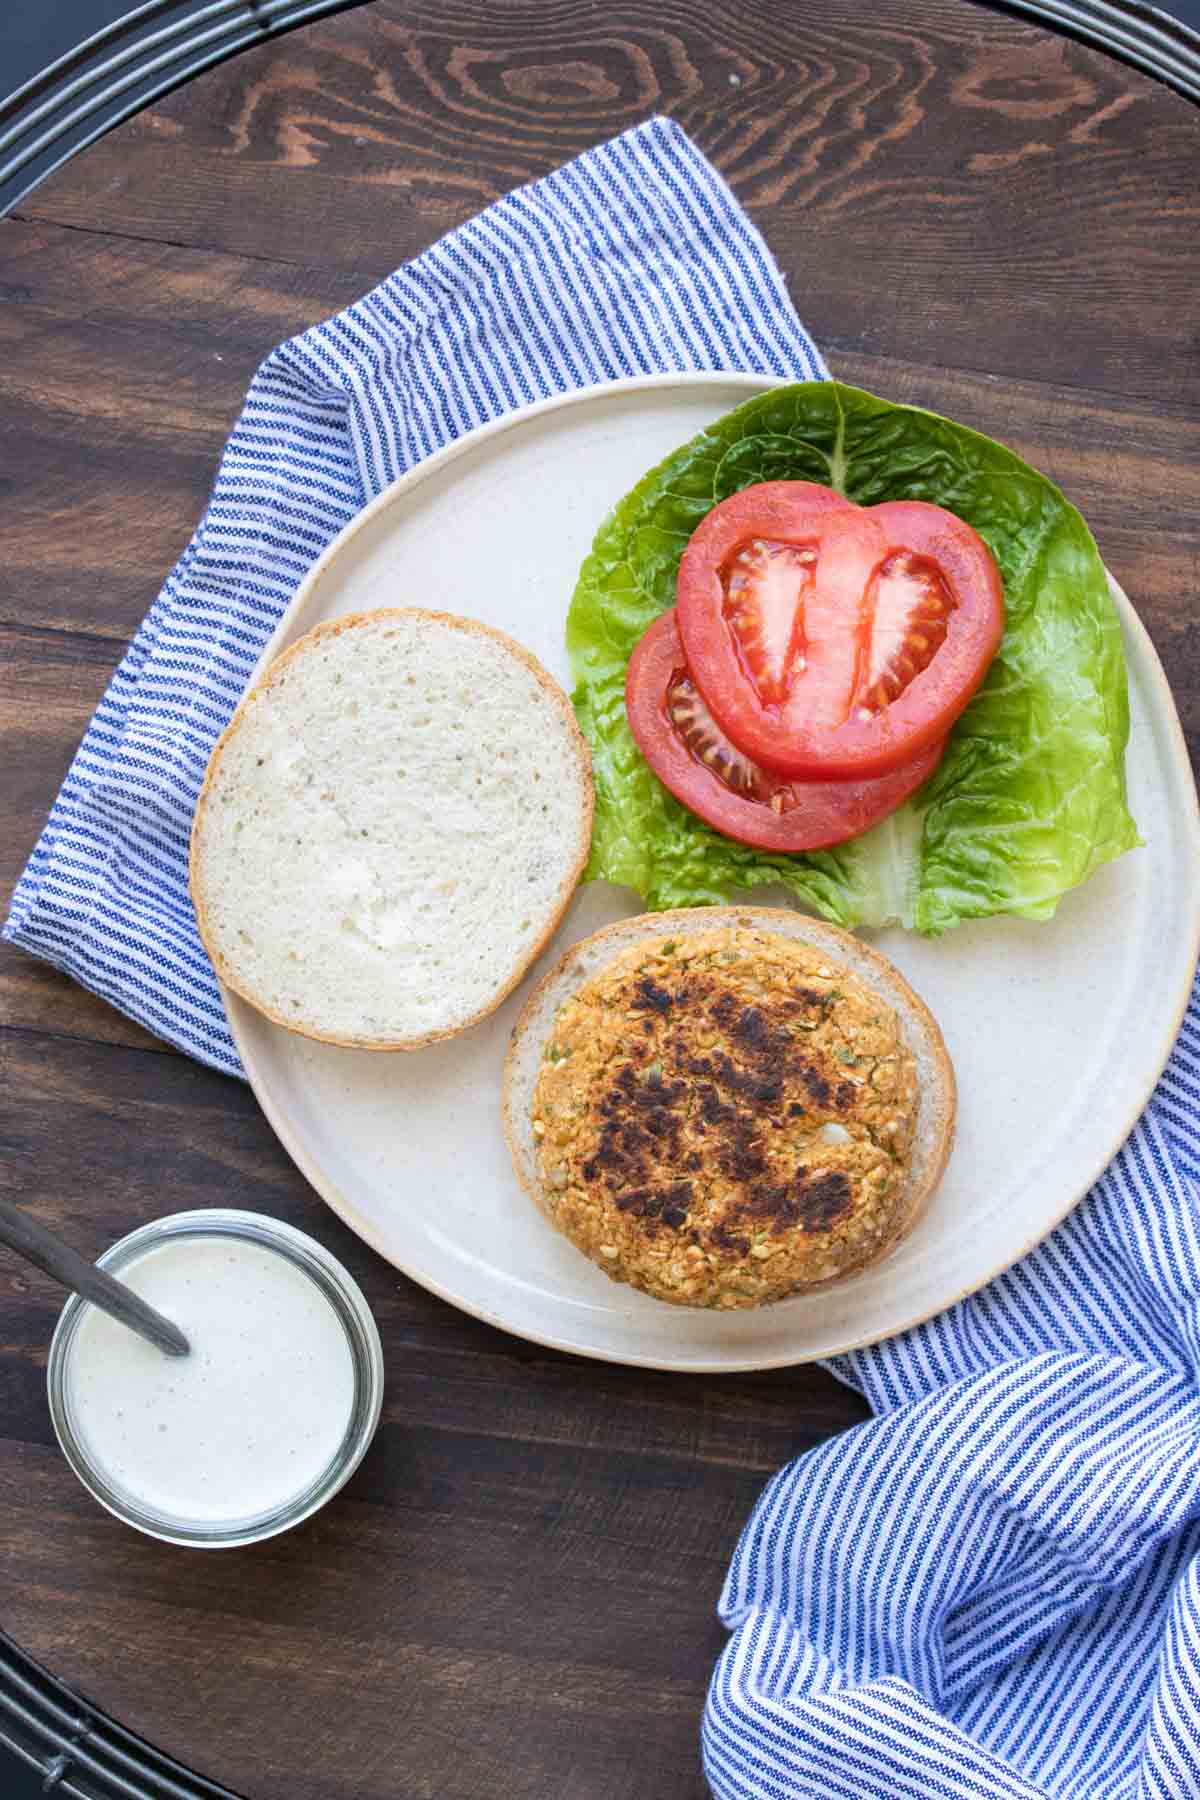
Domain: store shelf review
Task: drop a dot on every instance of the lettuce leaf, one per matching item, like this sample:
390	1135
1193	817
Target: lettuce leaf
1029	798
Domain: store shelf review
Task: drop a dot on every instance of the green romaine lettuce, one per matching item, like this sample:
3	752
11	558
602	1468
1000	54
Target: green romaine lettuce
1029	798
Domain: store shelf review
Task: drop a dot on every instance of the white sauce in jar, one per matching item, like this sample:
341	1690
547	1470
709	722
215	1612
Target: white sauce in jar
256	1412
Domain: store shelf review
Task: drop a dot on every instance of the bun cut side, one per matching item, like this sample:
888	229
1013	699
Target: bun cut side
390	829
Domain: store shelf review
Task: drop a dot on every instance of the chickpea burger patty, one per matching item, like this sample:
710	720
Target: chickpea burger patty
726	1106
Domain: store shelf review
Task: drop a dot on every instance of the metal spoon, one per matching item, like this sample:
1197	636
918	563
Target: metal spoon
56	1259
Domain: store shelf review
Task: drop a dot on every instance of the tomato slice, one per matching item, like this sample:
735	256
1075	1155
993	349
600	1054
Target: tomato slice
698	763
832	640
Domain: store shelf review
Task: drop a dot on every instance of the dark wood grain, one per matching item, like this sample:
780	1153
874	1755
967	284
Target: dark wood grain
525	1566
515	1595
922	166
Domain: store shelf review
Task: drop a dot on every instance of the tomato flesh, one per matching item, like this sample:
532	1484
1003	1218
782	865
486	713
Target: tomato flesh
692	723
834	640
910	608
766	588
698	763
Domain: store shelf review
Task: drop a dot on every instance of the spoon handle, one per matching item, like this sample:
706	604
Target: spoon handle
47	1252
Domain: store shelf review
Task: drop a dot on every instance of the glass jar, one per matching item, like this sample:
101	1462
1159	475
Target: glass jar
350	1308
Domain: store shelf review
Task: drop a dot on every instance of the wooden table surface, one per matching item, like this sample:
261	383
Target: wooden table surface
515	1595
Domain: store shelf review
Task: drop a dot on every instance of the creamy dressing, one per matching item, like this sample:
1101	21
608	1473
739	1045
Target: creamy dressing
256	1412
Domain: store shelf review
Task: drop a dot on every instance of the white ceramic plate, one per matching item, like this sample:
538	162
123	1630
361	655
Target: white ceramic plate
1058	1031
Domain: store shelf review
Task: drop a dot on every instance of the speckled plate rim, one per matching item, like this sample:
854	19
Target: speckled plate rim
243	1020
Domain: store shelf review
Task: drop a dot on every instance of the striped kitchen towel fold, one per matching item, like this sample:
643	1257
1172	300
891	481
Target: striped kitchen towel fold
991	1590
634	259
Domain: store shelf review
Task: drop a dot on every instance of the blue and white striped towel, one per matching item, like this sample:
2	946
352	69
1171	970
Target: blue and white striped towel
632	260
992	1588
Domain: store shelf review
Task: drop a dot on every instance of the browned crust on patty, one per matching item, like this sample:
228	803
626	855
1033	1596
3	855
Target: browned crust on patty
742	1104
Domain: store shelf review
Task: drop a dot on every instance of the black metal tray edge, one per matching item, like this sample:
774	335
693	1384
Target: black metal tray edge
116	72
1141	35
79	1751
